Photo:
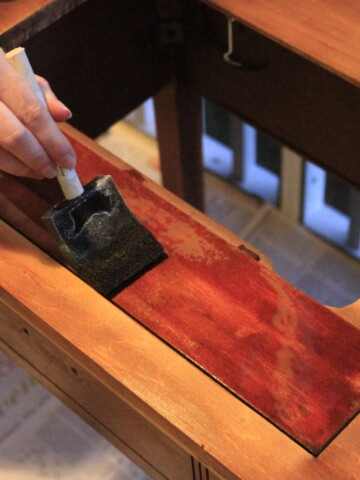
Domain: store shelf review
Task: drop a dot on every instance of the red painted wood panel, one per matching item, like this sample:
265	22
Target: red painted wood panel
291	359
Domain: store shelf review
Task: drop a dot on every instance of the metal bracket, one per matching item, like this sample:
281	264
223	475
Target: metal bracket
229	55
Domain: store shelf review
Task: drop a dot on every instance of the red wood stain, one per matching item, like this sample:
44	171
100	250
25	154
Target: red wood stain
287	356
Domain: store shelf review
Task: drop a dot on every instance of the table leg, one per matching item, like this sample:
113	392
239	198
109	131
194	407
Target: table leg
178	113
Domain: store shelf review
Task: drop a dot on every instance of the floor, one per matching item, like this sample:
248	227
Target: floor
51	442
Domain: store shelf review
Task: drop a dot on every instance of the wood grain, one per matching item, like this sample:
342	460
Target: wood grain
275	348
324	31
100	343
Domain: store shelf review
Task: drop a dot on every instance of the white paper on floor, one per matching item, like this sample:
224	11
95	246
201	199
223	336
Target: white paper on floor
42	439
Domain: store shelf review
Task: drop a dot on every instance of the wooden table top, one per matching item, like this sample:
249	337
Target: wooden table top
191	407
324	31
287	356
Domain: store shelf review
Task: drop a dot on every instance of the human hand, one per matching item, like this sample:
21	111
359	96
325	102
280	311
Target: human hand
31	145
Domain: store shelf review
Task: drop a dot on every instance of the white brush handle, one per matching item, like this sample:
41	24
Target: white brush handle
67	177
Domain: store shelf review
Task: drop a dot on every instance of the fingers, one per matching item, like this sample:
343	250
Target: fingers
12	165
58	110
27	129
18	141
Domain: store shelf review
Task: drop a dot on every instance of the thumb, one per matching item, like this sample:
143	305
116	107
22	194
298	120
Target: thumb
58	110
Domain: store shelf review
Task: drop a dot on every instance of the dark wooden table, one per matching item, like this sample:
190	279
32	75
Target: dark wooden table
299	80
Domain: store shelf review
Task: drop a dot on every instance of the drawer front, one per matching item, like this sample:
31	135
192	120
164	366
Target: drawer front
82	391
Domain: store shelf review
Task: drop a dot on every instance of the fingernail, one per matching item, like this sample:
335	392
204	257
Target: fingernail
49	171
68	161
66	110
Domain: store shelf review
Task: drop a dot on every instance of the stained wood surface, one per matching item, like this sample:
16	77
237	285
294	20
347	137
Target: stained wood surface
68	352
287	356
100	357
324	31
20	19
